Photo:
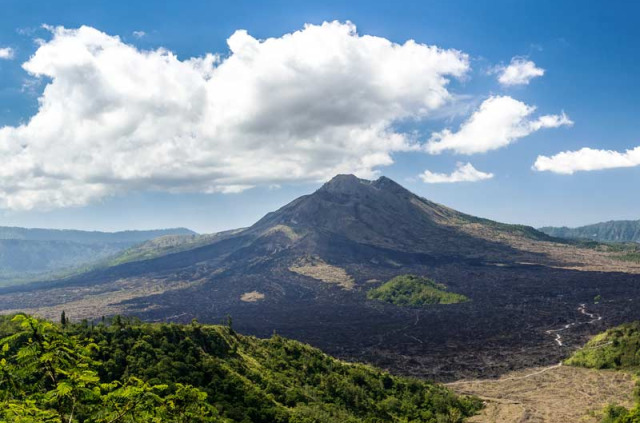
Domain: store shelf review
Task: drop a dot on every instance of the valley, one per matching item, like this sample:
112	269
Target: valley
28	255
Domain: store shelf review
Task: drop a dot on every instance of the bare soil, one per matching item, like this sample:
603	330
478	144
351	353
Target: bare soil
549	395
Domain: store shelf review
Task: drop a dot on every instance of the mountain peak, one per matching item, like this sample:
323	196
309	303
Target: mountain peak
389	184
350	184
343	204
344	184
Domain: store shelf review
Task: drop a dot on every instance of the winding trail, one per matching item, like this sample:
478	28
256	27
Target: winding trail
556	333
557	337
528	375
543	394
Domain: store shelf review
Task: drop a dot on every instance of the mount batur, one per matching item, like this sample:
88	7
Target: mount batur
305	271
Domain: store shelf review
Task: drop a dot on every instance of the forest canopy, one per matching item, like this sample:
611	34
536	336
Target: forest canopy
122	370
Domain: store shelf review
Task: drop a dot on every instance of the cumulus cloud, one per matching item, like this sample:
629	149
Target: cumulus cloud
587	159
462	173
6	53
498	122
139	34
519	72
301	107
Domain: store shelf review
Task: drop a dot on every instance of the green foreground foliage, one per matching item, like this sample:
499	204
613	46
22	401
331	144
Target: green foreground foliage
127	371
618	349
410	290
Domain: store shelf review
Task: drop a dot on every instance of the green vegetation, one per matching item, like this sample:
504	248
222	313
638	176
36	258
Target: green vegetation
159	247
168	244
125	371
410	290
618	414
632	256
623	251
617	348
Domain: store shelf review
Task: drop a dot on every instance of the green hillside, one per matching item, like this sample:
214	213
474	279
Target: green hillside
167	244
414	291
619	349
126	371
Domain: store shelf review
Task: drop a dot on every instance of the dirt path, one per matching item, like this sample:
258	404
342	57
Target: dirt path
557	338
502	380
556	333
550	394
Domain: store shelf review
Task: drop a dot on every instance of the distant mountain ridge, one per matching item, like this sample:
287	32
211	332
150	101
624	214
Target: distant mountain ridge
611	231
26	254
88	237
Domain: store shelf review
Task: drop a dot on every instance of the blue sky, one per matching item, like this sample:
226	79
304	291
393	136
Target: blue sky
587	49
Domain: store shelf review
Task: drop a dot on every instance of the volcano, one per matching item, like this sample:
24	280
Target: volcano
304	271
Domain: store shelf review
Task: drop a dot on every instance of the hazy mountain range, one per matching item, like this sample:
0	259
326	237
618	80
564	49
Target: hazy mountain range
612	231
36	253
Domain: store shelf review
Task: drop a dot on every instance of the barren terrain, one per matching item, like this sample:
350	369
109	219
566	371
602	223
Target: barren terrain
549	394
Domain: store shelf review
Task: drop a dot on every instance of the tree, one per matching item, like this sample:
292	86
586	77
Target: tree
132	372
230	323
49	376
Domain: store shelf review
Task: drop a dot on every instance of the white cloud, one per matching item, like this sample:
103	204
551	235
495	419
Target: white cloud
139	34
463	173
499	121
519	72
302	107
587	159
6	53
